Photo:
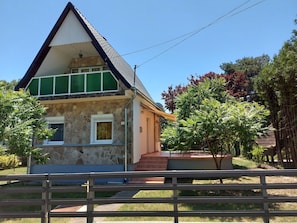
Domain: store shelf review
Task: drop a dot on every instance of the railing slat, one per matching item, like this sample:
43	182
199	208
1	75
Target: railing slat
52	186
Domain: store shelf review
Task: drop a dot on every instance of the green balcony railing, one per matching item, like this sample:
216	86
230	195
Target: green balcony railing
75	83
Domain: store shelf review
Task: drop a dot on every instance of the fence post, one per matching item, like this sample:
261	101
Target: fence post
90	198
175	202
45	208
265	198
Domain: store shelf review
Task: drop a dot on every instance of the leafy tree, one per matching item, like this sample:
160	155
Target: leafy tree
21	120
250	66
236	86
210	118
8	85
192	99
170	96
276	85
220	125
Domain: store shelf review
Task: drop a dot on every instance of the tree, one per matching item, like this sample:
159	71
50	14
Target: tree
276	85
250	67
170	96
21	120
236	86
209	117
193	97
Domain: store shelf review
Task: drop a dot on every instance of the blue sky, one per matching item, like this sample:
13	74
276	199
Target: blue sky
257	27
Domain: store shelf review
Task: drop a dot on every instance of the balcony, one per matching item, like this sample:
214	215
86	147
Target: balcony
74	83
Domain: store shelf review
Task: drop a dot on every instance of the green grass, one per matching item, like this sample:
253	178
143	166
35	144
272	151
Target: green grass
242	163
18	170
239	163
23	170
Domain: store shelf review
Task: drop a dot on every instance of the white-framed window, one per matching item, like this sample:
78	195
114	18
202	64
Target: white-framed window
102	129
56	123
86	69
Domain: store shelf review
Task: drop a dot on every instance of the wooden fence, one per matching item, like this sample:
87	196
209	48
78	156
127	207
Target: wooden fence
262	195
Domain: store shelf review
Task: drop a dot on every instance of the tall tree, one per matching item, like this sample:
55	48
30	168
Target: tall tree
249	66
236	85
277	87
170	96
191	100
21	120
209	117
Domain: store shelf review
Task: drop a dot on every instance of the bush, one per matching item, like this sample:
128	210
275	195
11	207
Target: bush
258	154
8	161
2	150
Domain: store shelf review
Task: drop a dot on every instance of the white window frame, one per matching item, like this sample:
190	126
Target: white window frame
55	120
101	118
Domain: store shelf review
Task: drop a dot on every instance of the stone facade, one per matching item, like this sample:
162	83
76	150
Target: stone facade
77	148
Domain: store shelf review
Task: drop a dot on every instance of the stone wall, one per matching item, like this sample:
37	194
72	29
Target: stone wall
86	62
77	130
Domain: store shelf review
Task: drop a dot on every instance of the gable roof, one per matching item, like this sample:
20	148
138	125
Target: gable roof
120	68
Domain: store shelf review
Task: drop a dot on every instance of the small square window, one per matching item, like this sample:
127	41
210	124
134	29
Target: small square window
59	134
102	129
56	123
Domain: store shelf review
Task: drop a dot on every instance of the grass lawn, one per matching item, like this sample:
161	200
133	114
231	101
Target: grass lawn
18	170
239	163
23	170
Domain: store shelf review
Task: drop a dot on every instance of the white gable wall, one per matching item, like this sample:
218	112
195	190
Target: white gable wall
70	40
54	63
71	31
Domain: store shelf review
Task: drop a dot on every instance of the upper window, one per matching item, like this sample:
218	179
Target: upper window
102	129
57	124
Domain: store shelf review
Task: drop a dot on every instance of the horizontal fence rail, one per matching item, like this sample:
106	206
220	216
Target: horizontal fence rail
188	187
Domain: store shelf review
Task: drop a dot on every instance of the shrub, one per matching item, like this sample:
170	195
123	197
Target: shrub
8	161
2	150
257	154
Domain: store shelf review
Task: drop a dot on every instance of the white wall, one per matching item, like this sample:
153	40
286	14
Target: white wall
144	130
71	31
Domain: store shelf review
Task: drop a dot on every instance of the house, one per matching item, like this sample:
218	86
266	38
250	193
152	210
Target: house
104	116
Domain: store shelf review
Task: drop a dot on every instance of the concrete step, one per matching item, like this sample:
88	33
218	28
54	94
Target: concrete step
147	180
150	164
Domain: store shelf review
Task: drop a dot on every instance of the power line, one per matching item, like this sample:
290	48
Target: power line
203	28
186	36
181	36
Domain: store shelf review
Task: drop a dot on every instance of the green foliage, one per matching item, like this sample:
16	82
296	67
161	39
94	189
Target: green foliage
251	66
9	161
257	154
2	150
175	138
193	97
21	120
276	85
207	116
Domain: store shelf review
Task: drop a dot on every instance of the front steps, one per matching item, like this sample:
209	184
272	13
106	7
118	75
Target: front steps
151	163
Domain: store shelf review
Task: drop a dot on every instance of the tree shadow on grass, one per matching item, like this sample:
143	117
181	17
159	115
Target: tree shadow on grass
225	206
